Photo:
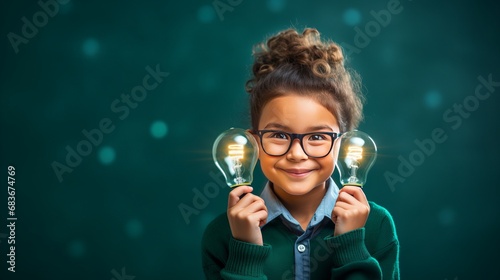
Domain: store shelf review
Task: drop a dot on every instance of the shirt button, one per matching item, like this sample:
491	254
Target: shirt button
301	248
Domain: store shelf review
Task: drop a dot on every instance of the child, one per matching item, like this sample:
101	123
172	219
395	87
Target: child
301	226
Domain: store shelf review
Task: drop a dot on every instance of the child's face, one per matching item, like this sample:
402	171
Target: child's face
295	173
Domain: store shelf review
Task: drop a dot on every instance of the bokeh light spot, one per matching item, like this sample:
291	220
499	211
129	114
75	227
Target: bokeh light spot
206	14
107	155
352	17
276	5
446	217
159	129
66	8
433	99
208	81
134	228
90	47
76	248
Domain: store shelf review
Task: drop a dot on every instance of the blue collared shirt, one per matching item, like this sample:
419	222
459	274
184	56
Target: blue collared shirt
276	209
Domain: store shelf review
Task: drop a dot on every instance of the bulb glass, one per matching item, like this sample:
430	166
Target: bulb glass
235	153
357	153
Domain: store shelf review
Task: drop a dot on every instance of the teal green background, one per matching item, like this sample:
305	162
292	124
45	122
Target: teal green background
119	208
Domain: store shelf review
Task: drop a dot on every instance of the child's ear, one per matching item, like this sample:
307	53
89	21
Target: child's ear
336	149
256	137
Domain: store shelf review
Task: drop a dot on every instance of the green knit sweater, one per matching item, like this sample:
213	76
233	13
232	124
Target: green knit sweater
371	252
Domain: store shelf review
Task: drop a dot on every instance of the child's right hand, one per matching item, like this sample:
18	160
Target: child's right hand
246	213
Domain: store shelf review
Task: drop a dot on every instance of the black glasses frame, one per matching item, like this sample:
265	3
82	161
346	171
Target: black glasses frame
293	136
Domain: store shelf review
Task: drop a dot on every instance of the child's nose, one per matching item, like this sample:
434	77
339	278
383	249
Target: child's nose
296	152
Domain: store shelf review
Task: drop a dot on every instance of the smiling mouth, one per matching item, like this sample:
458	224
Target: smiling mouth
298	173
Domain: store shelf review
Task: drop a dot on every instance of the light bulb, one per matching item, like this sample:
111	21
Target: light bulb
235	153
356	156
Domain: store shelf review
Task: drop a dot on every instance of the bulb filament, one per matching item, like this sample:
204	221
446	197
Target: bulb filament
354	153
236	153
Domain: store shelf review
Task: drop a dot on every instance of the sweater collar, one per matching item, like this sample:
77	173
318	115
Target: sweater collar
275	208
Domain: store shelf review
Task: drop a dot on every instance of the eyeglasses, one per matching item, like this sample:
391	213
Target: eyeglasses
314	144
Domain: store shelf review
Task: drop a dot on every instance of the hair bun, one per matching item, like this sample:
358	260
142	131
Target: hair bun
290	47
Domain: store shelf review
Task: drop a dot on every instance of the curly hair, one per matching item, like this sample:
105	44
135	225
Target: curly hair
304	64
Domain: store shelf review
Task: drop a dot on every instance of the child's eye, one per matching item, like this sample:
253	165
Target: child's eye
318	137
278	135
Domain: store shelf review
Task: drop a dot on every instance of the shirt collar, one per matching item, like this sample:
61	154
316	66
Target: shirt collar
275	208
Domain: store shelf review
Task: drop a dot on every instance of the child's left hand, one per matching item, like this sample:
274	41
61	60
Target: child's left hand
351	210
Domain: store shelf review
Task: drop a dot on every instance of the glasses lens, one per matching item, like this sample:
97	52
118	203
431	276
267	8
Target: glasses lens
317	144
275	143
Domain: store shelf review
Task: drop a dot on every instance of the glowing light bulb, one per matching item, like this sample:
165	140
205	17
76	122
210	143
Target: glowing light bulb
356	156
235	153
